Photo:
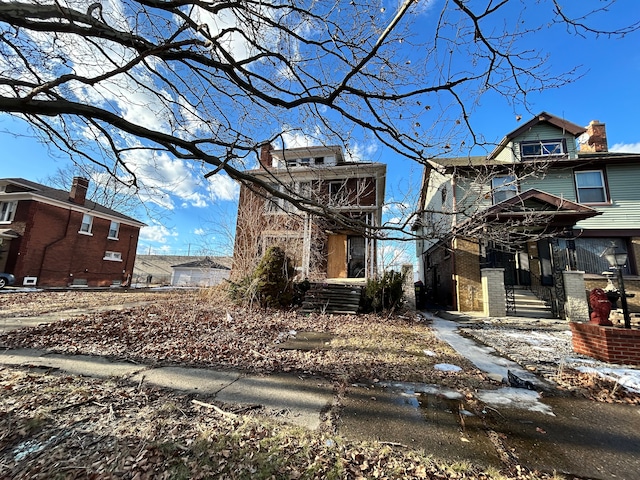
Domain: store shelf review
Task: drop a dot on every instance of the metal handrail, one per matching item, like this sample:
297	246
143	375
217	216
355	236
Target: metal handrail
544	293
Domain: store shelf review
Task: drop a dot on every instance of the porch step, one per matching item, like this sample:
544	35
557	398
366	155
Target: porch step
528	305
332	298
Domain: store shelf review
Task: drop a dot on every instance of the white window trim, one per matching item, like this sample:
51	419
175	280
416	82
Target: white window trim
557	141
603	186
109	237
509	186
86	232
112	256
13	206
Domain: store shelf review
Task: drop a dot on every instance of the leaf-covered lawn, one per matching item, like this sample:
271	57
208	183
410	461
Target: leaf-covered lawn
201	328
66	427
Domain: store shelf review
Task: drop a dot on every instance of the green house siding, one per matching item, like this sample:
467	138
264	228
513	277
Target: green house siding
560	184
545	132
624	210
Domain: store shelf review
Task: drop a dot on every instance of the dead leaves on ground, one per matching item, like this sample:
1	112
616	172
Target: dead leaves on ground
57	426
202	331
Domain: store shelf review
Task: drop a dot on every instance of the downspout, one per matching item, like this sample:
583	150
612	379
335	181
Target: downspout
50	244
127	267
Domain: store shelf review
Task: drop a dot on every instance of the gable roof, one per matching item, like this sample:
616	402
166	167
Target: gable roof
62	196
542	117
559	211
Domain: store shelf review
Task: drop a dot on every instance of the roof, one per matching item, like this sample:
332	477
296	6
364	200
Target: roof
543	117
62	196
202	263
560	211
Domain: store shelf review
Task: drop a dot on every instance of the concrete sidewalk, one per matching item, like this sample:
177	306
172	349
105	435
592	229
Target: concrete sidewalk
296	400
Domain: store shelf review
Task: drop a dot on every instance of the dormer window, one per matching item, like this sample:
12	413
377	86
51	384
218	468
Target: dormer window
543	148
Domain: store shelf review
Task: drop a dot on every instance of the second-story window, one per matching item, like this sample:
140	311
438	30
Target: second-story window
114	228
541	148
87	223
504	187
590	186
7	211
338	193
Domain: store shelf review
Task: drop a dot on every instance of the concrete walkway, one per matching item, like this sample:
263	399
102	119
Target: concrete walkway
568	435
296	400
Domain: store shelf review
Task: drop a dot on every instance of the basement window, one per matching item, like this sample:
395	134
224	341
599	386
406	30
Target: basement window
113	256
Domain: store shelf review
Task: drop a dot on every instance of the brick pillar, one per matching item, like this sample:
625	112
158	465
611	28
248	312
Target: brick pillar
576	307
493	292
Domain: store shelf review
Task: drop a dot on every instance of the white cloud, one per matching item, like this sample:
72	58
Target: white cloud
199	231
361	153
626	147
395	254
223	187
156	234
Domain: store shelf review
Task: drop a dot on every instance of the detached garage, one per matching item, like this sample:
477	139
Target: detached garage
199	273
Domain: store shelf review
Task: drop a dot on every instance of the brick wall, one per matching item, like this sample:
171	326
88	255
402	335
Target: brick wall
609	344
52	250
467	275
439	276
493	292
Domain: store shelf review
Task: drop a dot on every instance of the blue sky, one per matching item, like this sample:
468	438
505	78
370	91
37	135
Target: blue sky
198	218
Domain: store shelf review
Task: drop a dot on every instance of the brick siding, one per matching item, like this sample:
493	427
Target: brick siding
52	250
609	344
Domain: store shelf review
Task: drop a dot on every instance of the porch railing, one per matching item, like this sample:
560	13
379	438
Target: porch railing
544	293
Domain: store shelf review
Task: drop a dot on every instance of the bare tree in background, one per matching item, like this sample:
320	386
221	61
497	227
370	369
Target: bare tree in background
105	189
134	85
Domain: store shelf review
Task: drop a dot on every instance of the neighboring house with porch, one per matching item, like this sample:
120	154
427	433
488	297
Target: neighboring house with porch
56	238
547	200
320	248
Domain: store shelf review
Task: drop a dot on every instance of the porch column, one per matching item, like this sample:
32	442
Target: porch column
576	307
493	292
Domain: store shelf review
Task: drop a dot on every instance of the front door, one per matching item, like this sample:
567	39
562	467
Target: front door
357	257
337	256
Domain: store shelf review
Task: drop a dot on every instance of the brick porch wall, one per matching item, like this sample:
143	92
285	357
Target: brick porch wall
468	277
609	344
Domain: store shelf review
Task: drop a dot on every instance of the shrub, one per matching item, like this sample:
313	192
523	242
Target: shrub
270	284
385	293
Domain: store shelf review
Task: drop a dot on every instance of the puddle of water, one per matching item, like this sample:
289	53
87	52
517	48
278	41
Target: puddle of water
422	416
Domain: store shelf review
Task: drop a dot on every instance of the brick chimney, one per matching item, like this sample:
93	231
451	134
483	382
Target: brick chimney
79	189
266	160
594	140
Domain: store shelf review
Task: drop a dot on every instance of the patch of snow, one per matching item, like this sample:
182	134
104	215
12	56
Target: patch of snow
514	398
628	378
485	358
429	353
447	367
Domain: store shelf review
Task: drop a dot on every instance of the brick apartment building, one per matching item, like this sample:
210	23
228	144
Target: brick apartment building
57	238
321	249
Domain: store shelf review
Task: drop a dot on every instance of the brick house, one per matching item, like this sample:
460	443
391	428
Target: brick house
57	238
320	248
546	201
